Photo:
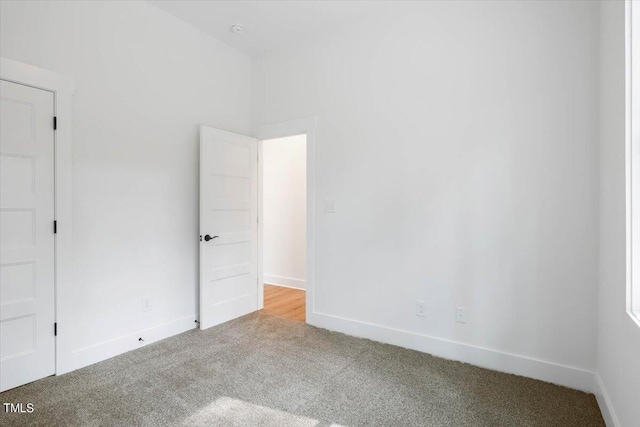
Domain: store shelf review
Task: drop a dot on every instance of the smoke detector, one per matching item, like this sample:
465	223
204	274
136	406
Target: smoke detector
238	29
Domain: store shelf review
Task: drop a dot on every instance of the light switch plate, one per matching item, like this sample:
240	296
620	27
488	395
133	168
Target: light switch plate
330	206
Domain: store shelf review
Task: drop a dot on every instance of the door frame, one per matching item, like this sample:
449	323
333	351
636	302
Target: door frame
63	89
306	126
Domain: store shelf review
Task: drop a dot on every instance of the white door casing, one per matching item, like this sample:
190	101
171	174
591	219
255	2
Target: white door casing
228	226
27	342
306	126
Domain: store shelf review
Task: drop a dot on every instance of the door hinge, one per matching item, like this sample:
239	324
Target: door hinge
55	329
55	227
55	123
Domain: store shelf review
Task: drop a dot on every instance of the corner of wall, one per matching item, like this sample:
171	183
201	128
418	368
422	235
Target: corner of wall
604	402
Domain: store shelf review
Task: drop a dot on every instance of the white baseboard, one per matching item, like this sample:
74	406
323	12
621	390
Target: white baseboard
491	359
287	282
97	353
567	376
604	402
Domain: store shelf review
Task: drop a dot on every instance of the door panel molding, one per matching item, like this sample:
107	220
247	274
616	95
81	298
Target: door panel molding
27	341
63	89
228	226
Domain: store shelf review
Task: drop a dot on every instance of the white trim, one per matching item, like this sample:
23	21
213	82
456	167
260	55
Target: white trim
260	227
632	162
280	130
105	350
286	282
63	88
604	402
542	370
40	78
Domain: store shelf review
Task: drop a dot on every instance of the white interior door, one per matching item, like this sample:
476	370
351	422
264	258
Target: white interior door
27	342
228	226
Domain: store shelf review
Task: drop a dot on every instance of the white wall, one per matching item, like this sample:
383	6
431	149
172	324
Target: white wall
284	163
459	142
460	145
144	82
618	335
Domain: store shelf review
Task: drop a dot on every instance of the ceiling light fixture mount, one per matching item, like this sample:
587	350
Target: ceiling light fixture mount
238	29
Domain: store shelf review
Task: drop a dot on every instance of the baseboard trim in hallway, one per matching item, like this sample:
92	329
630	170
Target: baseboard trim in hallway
286	282
567	376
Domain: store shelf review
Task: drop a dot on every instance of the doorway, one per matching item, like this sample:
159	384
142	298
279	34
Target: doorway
284	224
231	225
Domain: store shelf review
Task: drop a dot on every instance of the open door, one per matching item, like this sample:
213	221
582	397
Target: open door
228	226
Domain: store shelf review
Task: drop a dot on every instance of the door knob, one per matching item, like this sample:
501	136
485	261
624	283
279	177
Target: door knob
207	238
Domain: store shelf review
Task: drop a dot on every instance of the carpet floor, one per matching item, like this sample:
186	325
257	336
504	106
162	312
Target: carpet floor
260	370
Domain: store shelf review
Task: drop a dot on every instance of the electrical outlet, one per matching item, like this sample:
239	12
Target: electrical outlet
421	309
146	303
461	315
330	206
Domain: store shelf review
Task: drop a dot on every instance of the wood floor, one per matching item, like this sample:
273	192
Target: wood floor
286	303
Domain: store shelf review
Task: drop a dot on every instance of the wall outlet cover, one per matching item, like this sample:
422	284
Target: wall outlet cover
330	206
146	303
461	315
421	309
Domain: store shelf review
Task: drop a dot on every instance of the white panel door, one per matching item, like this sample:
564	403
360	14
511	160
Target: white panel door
27	342
228	226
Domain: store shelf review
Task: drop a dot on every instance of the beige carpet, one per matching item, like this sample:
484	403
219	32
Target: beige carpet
264	371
